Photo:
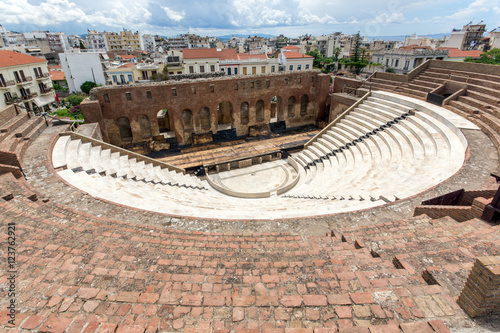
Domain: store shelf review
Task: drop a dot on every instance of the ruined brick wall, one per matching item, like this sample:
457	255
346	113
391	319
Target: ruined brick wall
461	213
481	293
8	113
141	103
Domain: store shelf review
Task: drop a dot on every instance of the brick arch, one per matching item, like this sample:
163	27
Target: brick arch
291	106
124	128
187	120
177	96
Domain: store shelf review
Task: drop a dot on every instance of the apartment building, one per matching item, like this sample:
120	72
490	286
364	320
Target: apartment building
96	40
124	40
25	80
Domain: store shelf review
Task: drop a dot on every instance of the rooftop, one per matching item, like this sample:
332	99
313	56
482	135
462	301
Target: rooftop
11	58
295	55
222	54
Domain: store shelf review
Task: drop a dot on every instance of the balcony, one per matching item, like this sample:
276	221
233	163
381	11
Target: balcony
29	97
12	100
43	76
7	84
46	91
25	80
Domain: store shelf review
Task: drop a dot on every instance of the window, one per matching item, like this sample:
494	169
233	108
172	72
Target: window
236	71
229	71
122	79
254	70
2	81
244	71
191	69
273	69
263	69
130	79
202	69
387	62
148	94
307	66
212	68
290	67
397	63
128	96
299	67
16	75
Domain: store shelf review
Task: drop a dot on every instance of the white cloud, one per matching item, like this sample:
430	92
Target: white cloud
476	9
53	12
388	18
173	15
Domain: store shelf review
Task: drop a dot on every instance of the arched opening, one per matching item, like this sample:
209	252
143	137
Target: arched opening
124	128
163	121
259	110
145	126
244	113
205	117
291	106
187	120
276	112
224	115
304	102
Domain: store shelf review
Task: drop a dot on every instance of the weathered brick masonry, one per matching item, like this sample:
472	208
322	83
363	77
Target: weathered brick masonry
187	103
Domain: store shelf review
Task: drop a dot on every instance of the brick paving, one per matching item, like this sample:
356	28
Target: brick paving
84	265
79	272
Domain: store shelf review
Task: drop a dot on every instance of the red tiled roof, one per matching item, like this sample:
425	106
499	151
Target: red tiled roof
55	67
457	53
295	55
11	58
251	56
290	47
127	56
127	65
57	76
223	54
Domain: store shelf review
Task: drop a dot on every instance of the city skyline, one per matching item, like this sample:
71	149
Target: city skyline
292	18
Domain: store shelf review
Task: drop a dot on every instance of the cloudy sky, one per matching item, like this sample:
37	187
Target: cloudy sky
209	17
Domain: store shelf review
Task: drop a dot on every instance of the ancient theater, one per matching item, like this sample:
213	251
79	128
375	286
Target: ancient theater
290	202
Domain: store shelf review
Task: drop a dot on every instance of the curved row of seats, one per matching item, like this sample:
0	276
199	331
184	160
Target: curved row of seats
383	148
385	142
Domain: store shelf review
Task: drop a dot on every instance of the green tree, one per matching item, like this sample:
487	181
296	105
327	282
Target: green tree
163	76
492	57
336	53
82	46
87	85
358	55
74	99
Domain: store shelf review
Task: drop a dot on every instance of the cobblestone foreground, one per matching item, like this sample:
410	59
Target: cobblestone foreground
84	265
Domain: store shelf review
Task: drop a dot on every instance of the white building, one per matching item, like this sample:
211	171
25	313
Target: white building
407	58
58	41
148	43
25	80
294	61
84	65
96	40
